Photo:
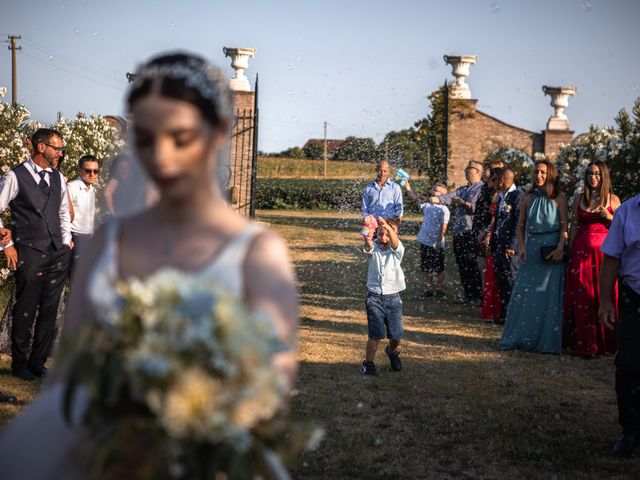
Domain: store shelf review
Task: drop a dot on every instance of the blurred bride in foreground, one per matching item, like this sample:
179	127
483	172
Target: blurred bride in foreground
181	112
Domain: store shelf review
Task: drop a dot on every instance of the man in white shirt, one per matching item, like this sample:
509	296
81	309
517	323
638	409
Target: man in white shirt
82	192
40	252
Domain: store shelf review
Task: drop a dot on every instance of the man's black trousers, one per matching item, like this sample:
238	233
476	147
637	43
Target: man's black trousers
40	278
628	359
465	249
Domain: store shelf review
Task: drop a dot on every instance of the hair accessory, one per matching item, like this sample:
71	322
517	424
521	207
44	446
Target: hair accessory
206	79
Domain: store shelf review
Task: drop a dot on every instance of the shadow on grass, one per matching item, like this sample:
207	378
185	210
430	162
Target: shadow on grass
468	342
416	424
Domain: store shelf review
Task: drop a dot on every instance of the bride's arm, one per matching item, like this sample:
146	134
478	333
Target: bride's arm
270	285
78	312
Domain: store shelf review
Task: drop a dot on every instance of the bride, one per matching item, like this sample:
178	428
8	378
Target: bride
181	113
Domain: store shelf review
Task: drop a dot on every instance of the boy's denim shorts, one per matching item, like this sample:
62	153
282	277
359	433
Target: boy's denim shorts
384	311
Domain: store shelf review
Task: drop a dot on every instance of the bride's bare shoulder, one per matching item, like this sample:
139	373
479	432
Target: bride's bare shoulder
270	280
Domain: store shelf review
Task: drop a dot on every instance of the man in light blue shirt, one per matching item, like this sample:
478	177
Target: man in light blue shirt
382	197
621	260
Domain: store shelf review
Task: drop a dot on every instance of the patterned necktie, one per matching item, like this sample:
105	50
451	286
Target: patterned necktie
43	183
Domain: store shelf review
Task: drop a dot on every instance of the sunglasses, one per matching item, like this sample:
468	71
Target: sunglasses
57	149
89	171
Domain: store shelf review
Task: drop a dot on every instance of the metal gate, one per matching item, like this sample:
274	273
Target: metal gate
243	156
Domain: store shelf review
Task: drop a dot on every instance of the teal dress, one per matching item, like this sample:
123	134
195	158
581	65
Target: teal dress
534	314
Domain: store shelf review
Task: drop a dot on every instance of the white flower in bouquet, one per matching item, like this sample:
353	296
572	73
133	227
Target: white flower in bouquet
195	359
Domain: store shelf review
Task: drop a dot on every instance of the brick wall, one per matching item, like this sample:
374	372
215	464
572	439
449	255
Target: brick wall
474	134
241	152
554	140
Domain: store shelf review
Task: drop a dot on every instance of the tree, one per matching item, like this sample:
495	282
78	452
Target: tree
428	134
400	149
356	149
618	146
293	152
87	135
313	151
13	135
521	163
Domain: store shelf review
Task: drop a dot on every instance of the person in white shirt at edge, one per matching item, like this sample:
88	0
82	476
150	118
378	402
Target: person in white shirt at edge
82	192
431	239
40	252
385	281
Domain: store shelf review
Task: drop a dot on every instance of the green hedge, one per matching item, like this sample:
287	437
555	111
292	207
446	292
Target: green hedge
297	194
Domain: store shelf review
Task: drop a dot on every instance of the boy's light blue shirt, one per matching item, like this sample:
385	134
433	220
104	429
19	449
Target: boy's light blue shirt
434	217
385	275
385	201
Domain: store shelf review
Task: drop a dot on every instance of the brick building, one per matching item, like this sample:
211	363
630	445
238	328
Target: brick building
473	134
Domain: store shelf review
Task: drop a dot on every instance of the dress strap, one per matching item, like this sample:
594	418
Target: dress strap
230	263
239	246
111	248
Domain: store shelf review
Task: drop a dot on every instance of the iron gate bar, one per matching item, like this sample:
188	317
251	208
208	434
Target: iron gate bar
254	154
445	133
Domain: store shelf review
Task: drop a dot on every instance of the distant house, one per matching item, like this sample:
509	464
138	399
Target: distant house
332	145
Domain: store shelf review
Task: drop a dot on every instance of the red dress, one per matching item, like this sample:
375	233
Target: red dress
582	331
490	294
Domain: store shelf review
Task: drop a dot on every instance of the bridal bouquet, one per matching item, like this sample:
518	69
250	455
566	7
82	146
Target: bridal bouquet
181	384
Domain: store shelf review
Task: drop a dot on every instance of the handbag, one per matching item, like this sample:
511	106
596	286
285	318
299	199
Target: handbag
546	250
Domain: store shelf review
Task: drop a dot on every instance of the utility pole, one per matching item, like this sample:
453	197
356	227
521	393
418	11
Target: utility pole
386	151
14	81
325	149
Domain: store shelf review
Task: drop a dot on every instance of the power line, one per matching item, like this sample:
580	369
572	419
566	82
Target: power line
74	74
66	59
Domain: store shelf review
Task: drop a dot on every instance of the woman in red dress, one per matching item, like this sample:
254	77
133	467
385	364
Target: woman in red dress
490	310
592	214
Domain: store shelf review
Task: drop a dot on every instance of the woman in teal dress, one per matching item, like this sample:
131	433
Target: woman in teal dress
534	314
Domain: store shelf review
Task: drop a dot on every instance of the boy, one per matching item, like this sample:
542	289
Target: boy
431	239
385	281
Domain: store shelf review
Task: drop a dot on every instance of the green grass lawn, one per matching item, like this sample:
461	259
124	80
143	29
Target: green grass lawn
280	167
459	409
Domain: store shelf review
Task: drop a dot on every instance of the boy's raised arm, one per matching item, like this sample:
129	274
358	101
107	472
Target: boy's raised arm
368	244
393	235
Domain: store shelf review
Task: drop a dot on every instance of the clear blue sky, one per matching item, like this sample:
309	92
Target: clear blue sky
365	67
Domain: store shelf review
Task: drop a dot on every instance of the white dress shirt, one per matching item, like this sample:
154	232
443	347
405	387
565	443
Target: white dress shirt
83	199
9	191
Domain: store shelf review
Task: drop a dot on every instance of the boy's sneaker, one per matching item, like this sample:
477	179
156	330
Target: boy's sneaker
439	294
394	359
368	368
426	294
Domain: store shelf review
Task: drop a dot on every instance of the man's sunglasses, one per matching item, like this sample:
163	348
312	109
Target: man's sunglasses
89	171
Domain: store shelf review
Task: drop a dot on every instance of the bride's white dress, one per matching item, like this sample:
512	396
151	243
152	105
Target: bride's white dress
37	445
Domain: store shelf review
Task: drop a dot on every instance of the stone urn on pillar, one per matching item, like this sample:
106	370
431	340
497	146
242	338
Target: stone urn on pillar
240	62
559	101
460	69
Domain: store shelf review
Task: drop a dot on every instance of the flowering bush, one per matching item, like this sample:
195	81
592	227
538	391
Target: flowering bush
84	135
184	366
87	135
619	147
13	135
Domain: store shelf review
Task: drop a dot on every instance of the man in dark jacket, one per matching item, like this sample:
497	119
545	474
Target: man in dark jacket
504	238
40	252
